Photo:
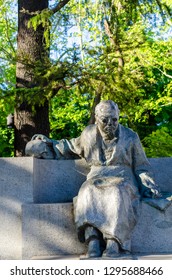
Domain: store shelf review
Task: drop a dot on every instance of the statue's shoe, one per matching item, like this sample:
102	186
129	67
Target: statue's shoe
94	249
112	249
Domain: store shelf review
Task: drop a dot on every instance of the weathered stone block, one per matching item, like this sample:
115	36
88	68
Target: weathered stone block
58	180
16	182
48	229
162	168
153	231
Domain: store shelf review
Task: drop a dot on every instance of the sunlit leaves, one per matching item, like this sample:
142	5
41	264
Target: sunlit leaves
69	114
158	143
84	62
42	19
8	29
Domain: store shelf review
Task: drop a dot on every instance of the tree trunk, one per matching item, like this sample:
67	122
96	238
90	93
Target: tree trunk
30	49
96	100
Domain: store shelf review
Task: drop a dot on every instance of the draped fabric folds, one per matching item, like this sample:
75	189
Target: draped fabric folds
109	199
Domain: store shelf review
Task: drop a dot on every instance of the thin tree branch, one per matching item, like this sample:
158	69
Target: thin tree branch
115	44
7	34
59	6
164	73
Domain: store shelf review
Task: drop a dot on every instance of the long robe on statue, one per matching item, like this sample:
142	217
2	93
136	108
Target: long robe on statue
109	199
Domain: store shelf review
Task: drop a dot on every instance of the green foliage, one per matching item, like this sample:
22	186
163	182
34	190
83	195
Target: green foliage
42	19
69	114
6	134
8	29
88	40
7	46
7	142
158	143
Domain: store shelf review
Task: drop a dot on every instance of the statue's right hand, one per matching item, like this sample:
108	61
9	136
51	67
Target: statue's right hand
40	146
42	138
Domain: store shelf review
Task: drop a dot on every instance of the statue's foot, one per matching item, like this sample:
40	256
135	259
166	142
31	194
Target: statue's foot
94	249
126	252
112	249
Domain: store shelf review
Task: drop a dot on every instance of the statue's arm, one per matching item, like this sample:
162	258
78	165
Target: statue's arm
143	171
42	147
67	149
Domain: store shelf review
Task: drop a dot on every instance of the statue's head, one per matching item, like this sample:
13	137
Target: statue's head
107	116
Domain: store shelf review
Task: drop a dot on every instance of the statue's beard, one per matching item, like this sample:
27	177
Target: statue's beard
109	132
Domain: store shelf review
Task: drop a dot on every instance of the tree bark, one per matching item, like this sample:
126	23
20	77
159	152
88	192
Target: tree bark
96	101
30	49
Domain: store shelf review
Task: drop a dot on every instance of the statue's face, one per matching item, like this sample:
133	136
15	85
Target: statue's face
107	122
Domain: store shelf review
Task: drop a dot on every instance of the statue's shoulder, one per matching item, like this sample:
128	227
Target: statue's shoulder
88	136
128	132
89	130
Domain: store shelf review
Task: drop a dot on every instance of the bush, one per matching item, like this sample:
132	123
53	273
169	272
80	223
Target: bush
158	143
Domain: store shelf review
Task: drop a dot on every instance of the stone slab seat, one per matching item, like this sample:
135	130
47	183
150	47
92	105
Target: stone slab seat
36	208
48	228
16	188
60	180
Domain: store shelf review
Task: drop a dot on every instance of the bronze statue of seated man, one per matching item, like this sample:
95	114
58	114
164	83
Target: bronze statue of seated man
106	209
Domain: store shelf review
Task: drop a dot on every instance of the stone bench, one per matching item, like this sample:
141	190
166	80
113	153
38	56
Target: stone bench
36	209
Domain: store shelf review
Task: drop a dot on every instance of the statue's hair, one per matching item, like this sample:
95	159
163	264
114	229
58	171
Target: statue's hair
106	104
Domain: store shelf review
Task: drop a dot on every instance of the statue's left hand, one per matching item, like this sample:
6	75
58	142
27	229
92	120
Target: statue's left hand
152	192
156	193
150	189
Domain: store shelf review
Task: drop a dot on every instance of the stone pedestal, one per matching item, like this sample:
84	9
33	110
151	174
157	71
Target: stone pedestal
153	232
16	188
36	209
57	181
48	229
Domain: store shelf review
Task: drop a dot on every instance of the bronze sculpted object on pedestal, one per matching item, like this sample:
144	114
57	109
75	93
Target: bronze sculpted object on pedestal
106	209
